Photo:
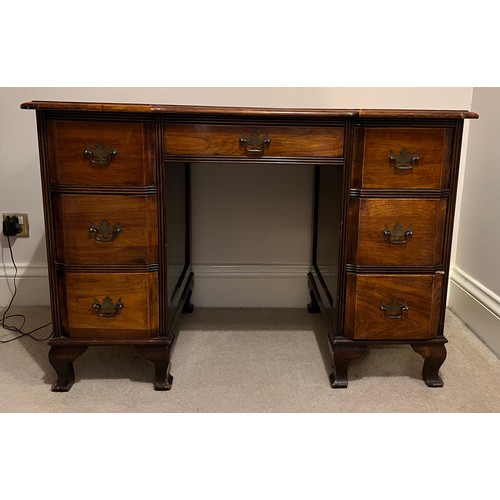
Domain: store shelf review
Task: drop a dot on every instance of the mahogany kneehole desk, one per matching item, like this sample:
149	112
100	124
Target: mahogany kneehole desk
116	192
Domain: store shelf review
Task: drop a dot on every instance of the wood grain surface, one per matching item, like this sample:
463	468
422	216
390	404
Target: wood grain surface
224	140
136	243
133	165
366	292
247	111
373	169
137	291
370	216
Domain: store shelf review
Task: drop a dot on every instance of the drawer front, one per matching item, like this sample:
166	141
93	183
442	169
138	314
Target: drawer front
101	153
242	141
106	229
118	305
390	307
402	158
394	232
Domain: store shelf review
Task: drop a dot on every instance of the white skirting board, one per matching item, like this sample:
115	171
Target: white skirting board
250	285
477	306
32	285
215	286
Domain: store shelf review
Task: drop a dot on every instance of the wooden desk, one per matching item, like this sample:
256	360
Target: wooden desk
116	191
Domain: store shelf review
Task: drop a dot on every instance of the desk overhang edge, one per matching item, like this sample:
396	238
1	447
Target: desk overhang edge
418	113
247	111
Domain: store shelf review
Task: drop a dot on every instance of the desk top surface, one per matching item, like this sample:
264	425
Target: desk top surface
247	111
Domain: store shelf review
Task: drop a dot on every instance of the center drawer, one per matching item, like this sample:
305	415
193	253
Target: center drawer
263	141
106	229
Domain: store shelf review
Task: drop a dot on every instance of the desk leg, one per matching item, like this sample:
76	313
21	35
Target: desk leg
434	357
61	358
188	308
160	356
313	306
342	356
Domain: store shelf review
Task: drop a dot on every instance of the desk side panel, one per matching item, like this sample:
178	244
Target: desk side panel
177	232
328	222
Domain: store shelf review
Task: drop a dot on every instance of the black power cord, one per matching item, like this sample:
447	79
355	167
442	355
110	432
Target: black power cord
6	316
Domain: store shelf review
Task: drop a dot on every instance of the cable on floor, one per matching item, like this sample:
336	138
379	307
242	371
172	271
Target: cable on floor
6	316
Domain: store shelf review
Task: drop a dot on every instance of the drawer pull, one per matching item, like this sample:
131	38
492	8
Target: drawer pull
254	144
106	308
100	155
404	160
398	235
105	233
394	310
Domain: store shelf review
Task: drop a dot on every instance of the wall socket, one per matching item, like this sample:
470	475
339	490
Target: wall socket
23	223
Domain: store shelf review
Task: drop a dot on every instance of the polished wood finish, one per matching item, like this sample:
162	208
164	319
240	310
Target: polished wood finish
373	169
194	140
133	165
418	114
367	292
61	359
220	111
136	242
138	293
106	234
342	356
434	356
160	357
384	201
371	216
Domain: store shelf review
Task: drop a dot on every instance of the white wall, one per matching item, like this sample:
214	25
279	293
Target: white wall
230	268
475	284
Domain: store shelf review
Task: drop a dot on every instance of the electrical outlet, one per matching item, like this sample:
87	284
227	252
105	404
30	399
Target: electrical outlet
22	220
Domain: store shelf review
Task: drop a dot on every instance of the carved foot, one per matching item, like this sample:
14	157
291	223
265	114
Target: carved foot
164	385
160	356
313	306
434	357
342	356
61	359
188	308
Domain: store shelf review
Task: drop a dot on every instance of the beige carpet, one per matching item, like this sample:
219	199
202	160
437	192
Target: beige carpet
251	360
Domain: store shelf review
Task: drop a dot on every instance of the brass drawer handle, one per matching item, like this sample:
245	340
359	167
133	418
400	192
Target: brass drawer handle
404	160
398	235
106	308
394	310
105	233
254	144
100	155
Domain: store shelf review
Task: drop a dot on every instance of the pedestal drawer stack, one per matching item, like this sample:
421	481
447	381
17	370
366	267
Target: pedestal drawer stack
399	220
101	191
